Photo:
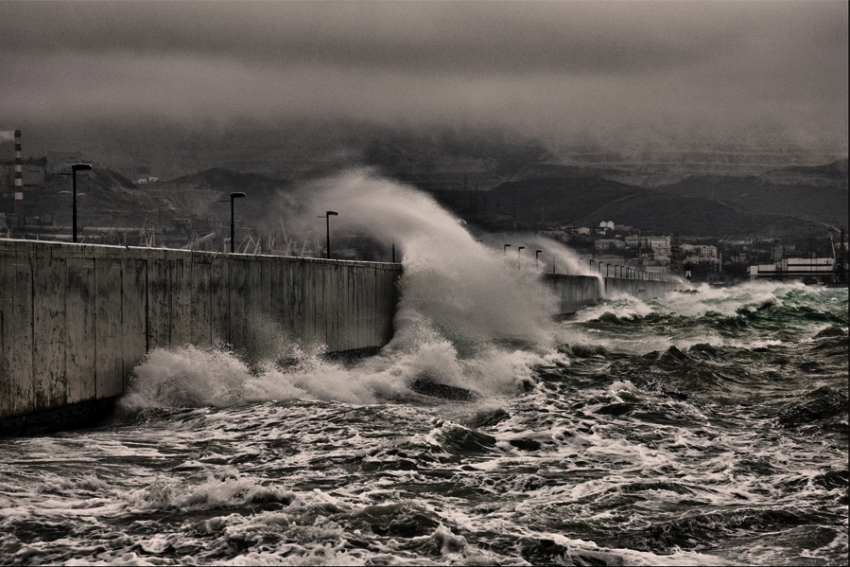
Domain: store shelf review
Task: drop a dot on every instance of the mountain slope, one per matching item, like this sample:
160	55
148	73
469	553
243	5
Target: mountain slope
587	201
817	194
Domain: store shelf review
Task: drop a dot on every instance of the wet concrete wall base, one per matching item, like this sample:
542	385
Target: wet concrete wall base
575	292
76	319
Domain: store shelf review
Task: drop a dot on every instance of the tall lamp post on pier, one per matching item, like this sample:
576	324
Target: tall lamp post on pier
505	254
74	169
519	257
233	196
537	258
327	217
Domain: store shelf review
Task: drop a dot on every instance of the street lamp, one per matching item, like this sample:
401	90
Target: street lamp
74	169
606	269
519	257
236	195
537	258
505	254
327	217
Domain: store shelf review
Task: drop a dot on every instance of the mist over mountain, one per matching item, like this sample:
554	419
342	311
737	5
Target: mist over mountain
494	178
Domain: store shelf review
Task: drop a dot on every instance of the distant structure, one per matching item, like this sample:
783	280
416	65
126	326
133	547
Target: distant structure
808	270
141	173
19	176
804	269
62	161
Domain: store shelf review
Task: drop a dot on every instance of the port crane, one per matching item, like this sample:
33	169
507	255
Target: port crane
839	254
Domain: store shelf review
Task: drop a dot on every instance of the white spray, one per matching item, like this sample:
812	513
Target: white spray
465	318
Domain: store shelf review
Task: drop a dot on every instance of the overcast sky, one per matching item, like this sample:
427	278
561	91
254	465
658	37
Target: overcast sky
627	70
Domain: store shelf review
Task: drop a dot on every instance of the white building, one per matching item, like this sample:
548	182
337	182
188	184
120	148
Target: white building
706	252
795	268
653	242
609	244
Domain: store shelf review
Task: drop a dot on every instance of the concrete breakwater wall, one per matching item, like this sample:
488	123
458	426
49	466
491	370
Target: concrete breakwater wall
575	292
76	319
642	289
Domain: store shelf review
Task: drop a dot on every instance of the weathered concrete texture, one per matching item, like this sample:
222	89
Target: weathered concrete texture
642	289
76	319
575	292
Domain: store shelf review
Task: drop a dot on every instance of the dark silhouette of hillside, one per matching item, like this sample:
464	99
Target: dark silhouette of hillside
587	201
817	194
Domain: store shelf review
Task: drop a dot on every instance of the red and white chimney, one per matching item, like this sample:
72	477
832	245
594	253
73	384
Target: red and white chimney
19	175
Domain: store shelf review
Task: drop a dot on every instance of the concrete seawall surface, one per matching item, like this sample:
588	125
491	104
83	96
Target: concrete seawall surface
575	292
76	319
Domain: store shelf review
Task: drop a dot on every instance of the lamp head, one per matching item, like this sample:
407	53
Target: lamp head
237	195
81	167
331	213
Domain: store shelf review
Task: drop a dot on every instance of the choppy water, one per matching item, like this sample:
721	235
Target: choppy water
707	428
694	429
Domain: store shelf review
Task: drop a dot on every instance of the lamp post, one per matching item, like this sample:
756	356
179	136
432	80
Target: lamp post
537	258
236	195
74	169
505	254
327	217
607	266
519	257
591	265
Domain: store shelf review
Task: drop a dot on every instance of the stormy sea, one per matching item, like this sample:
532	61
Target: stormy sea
706	428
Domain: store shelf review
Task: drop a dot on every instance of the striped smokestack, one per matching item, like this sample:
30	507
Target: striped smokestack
19	175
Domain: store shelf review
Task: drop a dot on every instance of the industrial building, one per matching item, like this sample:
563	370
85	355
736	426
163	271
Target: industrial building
804	269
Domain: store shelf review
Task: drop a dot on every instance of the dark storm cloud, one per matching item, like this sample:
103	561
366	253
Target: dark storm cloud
470	37
543	66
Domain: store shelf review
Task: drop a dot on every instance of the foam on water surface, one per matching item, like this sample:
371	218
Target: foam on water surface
692	429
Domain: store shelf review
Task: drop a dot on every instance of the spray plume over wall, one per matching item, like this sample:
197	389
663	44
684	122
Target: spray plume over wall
460	284
465	319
